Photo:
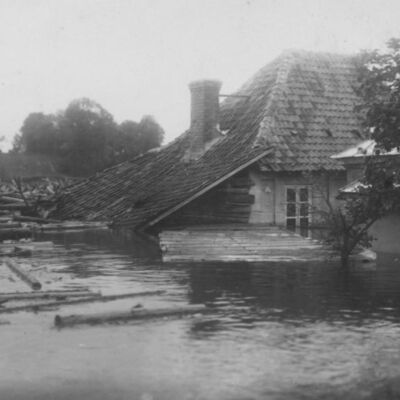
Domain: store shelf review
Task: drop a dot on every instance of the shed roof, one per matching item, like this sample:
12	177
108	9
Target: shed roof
365	149
299	110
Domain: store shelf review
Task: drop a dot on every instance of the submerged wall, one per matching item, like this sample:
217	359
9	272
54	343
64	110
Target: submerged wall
257	197
269	190
386	235
229	202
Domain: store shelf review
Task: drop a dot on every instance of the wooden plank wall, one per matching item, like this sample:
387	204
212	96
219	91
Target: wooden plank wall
229	202
238	243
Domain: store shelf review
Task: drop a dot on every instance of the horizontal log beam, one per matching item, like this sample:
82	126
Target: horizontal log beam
24	275
61	294
134	314
52	304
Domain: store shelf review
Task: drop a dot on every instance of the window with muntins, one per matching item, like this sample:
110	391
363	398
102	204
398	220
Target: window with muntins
298	208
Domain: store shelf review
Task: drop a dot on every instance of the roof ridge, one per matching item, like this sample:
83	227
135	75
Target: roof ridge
305	52
268	120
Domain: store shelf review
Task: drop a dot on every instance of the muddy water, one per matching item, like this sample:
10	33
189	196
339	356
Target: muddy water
279	331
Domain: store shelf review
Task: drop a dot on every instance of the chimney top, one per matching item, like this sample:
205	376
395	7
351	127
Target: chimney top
200	83
204	117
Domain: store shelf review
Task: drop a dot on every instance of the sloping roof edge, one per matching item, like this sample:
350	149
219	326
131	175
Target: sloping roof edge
205	190
364	149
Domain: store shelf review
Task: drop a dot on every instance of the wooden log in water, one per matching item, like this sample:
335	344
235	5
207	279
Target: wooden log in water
14	233
57	294
24	275
50	304
10	199
7	225
14	206
72	225
23	218
133	314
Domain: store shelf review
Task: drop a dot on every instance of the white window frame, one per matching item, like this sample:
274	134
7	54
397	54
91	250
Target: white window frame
298	203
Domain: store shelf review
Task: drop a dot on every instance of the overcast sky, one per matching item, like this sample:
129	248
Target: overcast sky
136	57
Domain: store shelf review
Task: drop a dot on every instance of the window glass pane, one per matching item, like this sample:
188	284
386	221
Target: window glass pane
303	194
303	222
291	210
291	223
304	210
290	195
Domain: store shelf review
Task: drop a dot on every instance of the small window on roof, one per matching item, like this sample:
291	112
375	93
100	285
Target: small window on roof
328	132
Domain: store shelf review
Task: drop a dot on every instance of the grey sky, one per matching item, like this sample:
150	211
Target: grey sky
136	57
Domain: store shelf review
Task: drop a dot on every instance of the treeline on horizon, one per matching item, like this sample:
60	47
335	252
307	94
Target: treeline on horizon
85	138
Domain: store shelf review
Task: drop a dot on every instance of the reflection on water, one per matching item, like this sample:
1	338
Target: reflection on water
277	330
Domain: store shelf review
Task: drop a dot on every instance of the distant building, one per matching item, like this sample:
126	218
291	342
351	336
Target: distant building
386	231
243	161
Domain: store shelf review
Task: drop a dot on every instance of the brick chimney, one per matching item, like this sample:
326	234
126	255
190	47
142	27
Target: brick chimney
204	117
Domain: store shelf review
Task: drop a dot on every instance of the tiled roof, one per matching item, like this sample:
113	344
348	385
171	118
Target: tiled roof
300	105
307	114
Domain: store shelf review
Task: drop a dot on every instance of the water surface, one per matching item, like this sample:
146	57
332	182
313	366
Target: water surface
278	330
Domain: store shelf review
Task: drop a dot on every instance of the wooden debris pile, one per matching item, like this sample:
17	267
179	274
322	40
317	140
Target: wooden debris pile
32	198
25	206
38	300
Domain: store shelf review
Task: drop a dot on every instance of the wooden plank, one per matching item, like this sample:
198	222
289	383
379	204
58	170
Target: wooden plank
61	294
14	233
50	304
24	275
133	314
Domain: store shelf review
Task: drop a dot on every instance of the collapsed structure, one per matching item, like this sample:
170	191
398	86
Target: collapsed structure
244	161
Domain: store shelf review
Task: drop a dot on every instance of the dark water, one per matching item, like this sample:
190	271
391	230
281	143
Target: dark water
278	330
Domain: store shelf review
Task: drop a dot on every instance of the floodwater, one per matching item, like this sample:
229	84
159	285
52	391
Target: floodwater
277	330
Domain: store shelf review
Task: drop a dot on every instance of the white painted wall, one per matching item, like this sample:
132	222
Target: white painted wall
386	235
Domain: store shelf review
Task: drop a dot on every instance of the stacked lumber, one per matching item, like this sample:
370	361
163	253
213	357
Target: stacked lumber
238	243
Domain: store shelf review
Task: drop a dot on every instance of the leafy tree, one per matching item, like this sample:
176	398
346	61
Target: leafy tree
378	193
86	138
150	133
380	91
348	224
86	133
38	134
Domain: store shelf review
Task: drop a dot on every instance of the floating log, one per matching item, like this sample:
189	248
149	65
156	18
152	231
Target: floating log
50	304
10	199
73	225
7	225
24	275
23	218
13	206
14	233
60	294
133	314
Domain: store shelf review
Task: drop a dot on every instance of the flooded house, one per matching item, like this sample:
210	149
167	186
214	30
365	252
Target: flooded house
385	232
248	166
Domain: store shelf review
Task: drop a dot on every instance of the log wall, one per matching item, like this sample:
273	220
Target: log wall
229	202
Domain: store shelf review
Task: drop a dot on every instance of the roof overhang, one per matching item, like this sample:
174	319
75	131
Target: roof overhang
205	190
